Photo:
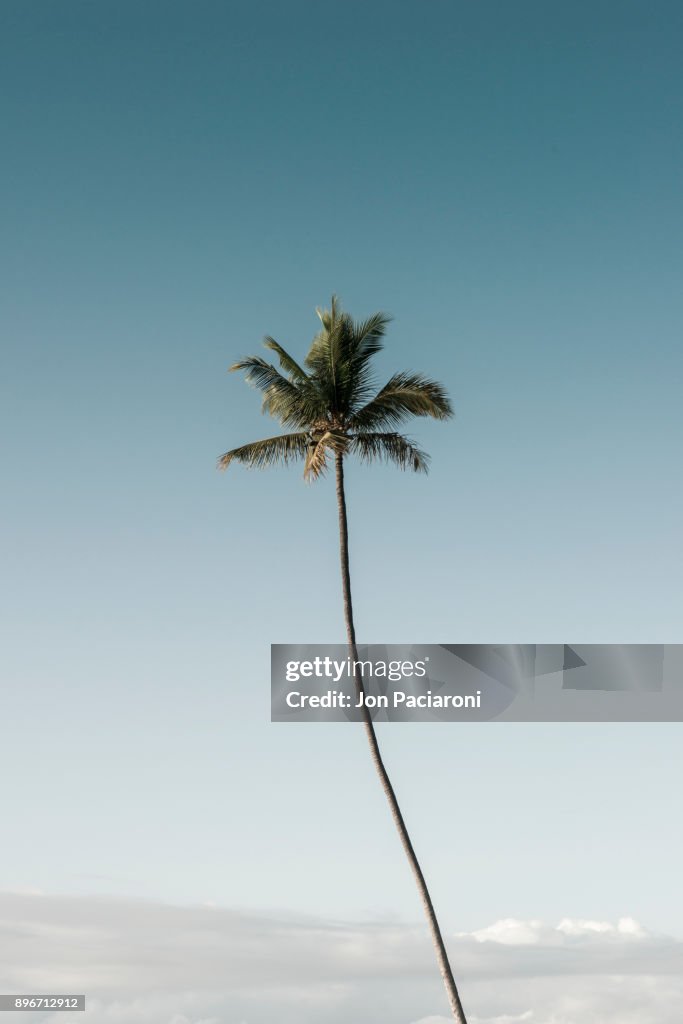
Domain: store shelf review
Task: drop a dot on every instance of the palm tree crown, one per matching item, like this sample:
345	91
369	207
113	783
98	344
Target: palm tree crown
332	402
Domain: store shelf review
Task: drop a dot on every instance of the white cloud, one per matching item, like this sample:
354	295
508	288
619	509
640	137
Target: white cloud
505	1018
146	963
624	926
510	932
434	1020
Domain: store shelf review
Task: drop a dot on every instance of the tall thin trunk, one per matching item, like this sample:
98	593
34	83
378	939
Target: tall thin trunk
441	954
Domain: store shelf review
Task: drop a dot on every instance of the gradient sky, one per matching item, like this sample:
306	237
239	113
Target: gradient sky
178	180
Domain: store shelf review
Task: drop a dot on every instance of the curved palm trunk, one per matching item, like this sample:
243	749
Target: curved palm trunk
441	954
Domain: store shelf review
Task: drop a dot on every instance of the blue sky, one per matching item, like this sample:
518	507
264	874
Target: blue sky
180	179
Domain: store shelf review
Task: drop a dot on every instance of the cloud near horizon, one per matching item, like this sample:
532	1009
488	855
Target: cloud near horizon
150	963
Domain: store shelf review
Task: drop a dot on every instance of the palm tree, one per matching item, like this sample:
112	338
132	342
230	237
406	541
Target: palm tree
334	410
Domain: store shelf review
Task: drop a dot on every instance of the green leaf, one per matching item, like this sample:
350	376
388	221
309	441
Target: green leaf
403	396
269	452
389	447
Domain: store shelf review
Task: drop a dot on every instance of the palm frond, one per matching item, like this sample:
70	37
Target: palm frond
328	317
404	395
389	447
259	373
319	446
316	460
339	357
319	352
328	361
326	345
270	451
291	404
368	336
286	361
